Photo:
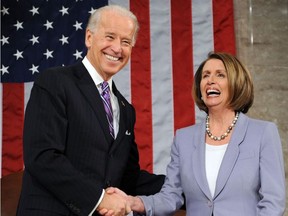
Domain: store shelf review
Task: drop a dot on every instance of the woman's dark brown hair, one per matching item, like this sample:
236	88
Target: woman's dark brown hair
240	85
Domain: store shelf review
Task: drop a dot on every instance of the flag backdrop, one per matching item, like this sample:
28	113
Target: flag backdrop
174	38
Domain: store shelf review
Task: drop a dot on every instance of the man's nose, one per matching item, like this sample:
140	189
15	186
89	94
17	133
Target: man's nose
116	46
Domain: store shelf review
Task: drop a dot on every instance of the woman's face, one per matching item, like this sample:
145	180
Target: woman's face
214	84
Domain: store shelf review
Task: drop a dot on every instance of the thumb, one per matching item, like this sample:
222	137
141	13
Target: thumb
128	209
110	190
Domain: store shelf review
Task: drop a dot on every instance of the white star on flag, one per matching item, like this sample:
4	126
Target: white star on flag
34	39
4	40
4	69
48	25
48	54
18	54
64	10
78	54
5	11
34	11
92	10
18	25
64	40
34	69
77	25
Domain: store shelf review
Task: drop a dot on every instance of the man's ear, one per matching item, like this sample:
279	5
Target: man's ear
88	38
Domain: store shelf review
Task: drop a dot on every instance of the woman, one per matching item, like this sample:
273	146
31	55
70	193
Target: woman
228	165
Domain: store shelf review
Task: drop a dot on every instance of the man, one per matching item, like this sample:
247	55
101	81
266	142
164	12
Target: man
76	143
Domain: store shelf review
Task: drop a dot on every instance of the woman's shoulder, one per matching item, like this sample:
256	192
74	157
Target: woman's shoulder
190	128
259	122
256	124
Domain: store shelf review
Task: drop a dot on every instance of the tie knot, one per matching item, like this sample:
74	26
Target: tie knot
104	85
105	89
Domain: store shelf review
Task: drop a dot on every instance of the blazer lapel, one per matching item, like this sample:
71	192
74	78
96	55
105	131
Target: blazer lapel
91	93
122	123
198	158
231	154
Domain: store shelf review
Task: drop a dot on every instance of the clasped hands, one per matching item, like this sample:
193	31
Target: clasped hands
117	203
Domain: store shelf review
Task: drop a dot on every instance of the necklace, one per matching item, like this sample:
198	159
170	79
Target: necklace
219	138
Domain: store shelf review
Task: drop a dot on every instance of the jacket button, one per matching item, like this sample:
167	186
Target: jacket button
108	183
209	203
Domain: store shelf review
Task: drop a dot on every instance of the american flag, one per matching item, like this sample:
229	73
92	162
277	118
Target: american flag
175	36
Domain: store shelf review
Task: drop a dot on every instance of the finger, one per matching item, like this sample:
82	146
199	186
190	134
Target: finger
110	213
110	190
103	211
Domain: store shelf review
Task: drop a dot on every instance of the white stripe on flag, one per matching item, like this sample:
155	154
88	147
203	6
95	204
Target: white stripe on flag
123	77
27	90
203	43
123	81
162	83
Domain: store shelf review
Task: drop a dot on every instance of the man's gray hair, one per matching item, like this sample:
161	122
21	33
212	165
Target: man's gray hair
96	16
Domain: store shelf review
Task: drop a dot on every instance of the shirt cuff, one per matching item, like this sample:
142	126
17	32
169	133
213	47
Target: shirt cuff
99	201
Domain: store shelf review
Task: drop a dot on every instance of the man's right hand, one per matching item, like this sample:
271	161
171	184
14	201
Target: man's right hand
113	204
134	203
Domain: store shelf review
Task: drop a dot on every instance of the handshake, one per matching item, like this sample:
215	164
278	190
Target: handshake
117	203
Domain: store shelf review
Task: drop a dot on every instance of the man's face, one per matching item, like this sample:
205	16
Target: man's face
110	45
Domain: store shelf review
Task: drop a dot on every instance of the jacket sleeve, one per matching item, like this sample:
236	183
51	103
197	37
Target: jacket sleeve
272	175
136	181
170	198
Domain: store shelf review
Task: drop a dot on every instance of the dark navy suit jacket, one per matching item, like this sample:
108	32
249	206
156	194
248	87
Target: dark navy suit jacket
69	154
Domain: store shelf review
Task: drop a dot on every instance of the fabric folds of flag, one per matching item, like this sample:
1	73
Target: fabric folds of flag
174	37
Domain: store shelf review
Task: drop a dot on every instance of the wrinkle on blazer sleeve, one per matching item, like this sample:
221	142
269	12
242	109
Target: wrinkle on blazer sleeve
272	174
170	198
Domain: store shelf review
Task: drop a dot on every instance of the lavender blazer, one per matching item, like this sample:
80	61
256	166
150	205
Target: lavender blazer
251	179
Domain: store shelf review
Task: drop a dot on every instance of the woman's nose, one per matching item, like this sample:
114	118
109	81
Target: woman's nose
211	80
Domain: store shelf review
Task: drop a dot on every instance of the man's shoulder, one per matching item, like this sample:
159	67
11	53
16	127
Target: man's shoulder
58	72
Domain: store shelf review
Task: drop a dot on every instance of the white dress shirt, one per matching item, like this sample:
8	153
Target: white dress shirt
114	103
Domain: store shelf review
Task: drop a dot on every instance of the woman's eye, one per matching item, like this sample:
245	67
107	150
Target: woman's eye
205	75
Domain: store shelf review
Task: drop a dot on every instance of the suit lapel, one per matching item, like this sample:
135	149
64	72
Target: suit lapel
198	158
231	154
122	121
91	93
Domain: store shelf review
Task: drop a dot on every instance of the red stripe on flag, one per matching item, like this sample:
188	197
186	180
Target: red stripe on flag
184	111
12	120
223	23
141	85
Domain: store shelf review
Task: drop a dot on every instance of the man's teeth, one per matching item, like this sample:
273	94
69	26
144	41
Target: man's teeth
112	58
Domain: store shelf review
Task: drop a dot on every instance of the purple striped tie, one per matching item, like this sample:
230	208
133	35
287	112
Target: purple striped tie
107	105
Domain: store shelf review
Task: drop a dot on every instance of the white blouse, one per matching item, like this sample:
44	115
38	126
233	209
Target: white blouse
213	159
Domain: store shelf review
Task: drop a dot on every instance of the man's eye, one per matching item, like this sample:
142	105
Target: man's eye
126	43
109	37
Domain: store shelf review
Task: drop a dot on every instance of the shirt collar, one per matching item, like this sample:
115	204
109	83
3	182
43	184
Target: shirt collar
97	79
